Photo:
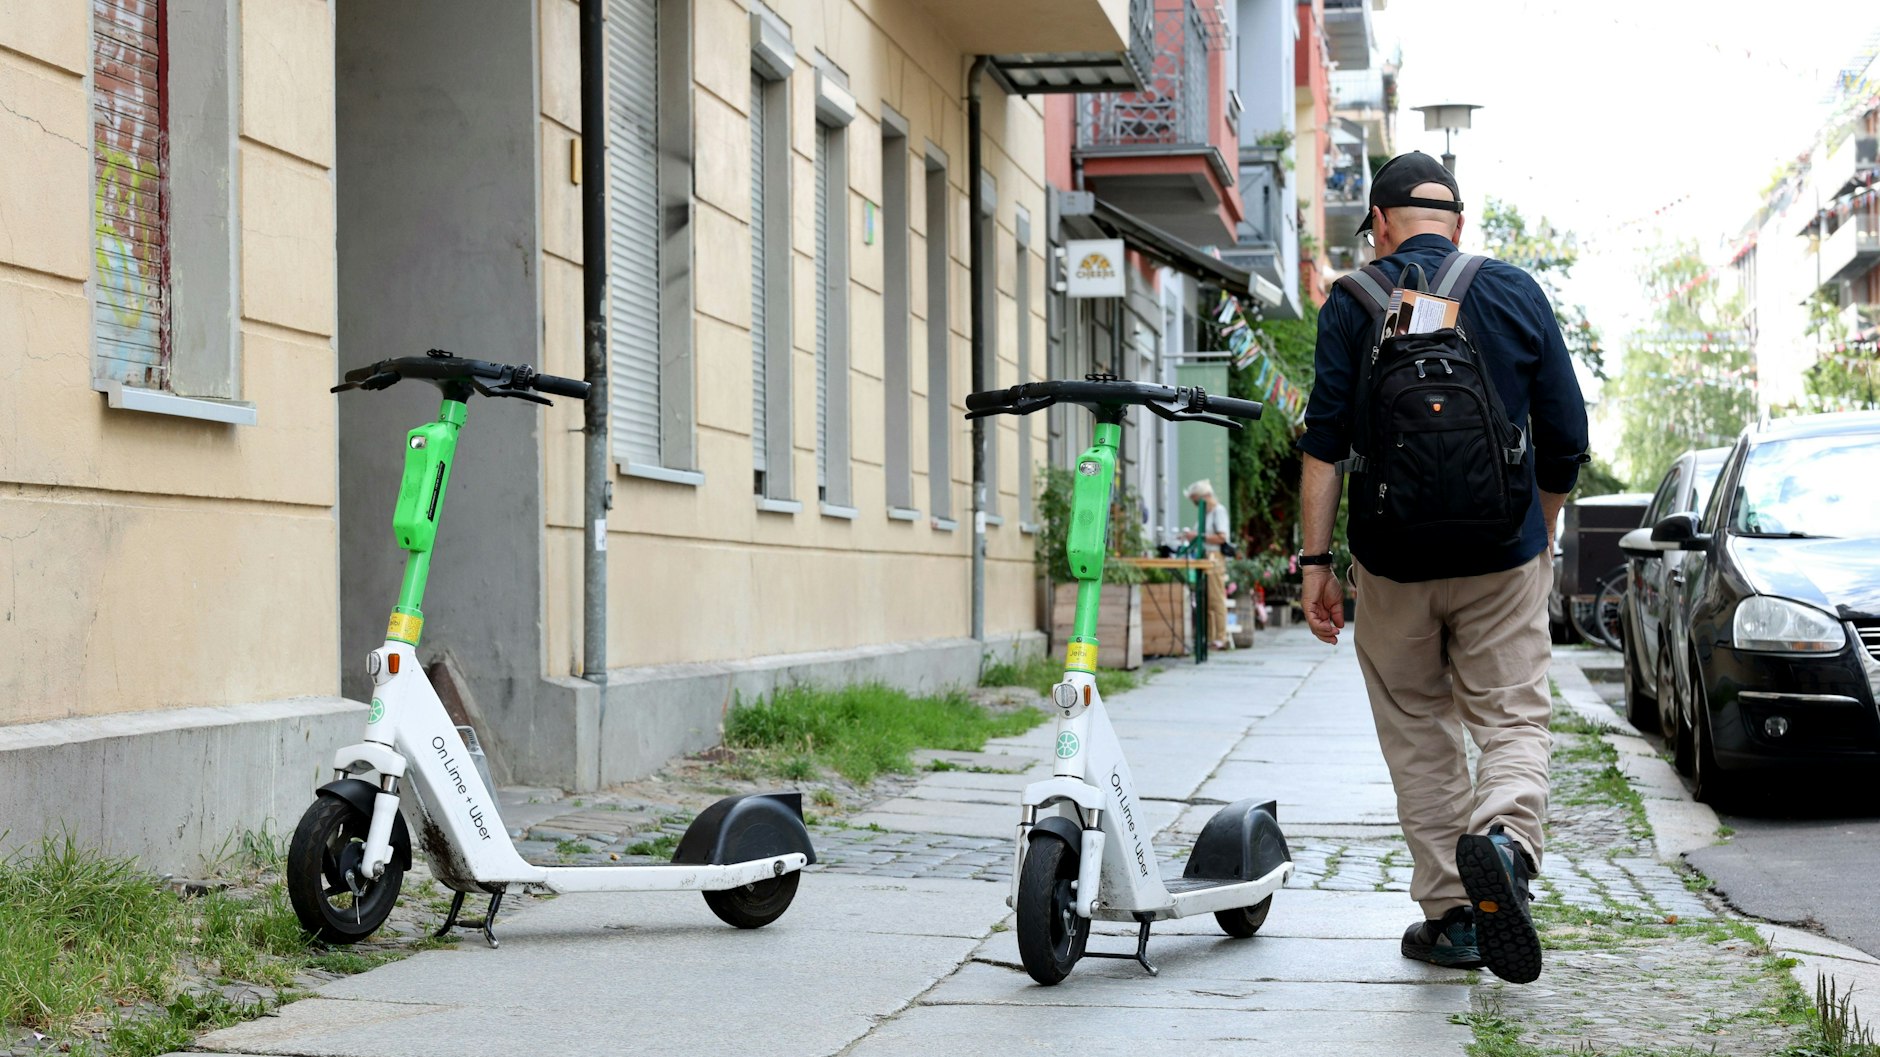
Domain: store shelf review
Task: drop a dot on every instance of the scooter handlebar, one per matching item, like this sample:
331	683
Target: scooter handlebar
1102	393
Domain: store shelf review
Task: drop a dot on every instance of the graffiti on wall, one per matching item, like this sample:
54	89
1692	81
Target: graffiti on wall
129	214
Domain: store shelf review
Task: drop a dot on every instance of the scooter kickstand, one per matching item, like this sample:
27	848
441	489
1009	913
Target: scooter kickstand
1142	948
450	919
487	925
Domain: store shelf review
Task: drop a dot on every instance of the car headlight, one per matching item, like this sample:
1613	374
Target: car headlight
1776	624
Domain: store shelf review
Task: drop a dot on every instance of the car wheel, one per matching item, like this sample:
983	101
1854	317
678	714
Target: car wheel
1669	710
1640	707
1710	784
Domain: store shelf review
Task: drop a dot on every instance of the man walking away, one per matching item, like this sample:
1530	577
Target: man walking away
1461	444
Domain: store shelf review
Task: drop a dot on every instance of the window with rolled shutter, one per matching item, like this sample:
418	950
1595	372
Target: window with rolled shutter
759	344
633	228
130	243
824	275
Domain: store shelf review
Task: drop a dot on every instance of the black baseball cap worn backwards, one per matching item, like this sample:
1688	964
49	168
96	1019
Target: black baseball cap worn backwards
1392	184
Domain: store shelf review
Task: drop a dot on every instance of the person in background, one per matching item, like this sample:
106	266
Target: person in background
1216	532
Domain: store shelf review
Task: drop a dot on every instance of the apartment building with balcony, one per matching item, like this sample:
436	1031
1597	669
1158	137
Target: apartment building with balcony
1364	130
1160	168
1807	264
196	531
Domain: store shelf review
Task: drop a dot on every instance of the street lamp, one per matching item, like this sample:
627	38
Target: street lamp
1451	118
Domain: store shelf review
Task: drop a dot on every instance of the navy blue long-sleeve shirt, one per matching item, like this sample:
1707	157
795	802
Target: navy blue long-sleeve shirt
1513	329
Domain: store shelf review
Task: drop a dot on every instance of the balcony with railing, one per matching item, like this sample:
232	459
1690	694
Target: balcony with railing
1348	176
1851	165
1348	33
1852	245
1161	153
1038	46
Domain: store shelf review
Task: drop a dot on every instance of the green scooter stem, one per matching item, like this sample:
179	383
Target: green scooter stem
430	450
1087	542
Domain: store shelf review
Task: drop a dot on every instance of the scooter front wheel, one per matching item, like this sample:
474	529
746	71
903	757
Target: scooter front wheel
753	906
334	901
1051	935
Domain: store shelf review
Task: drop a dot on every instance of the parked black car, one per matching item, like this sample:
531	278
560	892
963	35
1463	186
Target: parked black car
1781	604
1650	622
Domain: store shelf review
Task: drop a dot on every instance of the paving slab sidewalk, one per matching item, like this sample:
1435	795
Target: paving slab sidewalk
870	963
900	941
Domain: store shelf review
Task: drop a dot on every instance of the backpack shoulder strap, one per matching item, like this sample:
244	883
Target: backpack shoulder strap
1452	281
1456	273
1371	287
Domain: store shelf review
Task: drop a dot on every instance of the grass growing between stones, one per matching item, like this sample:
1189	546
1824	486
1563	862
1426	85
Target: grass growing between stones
862	731
1042	673
105	960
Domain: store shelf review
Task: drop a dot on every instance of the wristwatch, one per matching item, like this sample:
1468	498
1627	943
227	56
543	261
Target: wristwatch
1315	559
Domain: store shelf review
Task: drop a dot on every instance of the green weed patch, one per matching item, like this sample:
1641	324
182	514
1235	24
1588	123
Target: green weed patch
1042	673
862	731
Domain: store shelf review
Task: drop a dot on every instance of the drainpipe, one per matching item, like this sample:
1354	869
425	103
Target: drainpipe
598	470
976	241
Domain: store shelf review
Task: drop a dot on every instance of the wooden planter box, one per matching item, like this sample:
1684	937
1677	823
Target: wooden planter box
1168	619
1119	623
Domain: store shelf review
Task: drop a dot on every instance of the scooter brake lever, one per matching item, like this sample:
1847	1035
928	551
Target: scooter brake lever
1202	416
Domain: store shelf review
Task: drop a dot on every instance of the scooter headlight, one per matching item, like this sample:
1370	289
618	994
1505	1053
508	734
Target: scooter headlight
1781	626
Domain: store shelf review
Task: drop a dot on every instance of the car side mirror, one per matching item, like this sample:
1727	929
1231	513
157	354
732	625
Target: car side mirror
1638	544
1680	532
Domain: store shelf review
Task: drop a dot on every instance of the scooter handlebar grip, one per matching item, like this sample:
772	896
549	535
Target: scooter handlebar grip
990	400
573	388
1234	407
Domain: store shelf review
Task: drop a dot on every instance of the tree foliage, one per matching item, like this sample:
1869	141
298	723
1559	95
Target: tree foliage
1549	256
1685	384
1263	465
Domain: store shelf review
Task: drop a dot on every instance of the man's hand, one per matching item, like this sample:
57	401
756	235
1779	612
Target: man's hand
1324	599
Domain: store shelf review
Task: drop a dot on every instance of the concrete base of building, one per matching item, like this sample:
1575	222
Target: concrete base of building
177	788
645	716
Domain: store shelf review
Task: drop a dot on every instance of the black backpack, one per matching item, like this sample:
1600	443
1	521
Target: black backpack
1434	460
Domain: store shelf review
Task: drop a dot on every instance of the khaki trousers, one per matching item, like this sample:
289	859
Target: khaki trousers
1217	598
1491	683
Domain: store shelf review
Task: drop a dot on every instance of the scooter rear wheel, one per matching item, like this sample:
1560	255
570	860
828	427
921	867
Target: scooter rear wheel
330	841
1242	922
753	906
1051	935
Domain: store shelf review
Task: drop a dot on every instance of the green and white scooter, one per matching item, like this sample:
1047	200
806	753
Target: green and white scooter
1083	850
351	850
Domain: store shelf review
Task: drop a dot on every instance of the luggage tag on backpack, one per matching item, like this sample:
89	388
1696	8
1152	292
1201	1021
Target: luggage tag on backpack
1415	312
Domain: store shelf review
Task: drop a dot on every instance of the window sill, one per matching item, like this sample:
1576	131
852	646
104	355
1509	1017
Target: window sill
994	520
693	478
902	513
846	513
158	402
1028	528
767	505
945	524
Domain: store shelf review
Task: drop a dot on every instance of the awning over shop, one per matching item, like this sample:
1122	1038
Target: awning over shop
1182	256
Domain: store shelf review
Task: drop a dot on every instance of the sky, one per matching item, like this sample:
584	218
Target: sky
1629	123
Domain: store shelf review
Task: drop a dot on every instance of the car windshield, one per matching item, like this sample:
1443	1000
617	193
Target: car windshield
1810	486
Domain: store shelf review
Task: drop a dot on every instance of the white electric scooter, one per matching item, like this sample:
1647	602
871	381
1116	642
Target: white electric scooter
352	847
1083	852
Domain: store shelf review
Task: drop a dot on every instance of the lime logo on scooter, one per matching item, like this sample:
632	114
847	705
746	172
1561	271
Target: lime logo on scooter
1129	819
1068	745
377	713
456	779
